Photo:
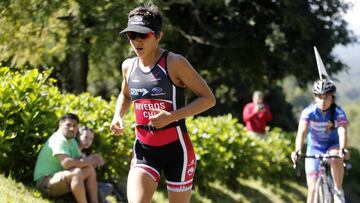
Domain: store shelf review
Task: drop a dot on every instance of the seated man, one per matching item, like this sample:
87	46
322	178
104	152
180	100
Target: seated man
59	167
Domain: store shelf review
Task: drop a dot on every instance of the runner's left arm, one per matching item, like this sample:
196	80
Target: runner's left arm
183	74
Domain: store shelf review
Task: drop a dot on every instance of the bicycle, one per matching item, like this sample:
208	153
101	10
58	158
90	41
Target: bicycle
324	184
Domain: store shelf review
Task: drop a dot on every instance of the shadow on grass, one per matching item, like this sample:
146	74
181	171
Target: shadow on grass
215	195
117	196
63	199
220	195
253	195
68	198
352	191
293	190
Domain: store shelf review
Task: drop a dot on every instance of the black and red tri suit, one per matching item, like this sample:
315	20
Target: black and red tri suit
169	149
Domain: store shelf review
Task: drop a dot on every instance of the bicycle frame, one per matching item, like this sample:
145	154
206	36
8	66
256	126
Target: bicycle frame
324	183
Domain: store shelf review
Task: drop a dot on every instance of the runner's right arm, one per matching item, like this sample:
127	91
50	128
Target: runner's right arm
303	129
123	101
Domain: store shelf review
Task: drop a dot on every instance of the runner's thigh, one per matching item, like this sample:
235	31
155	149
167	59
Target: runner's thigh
140	186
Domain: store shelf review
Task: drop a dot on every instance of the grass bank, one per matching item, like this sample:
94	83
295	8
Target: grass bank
247	191
11	191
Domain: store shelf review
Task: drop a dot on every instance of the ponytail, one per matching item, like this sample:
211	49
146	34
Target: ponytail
332	115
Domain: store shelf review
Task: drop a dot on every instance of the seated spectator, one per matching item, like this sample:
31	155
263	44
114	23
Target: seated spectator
85	138
60	169
256	114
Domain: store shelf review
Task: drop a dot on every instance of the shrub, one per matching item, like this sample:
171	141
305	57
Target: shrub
30	110
28	104
97	113
31	106
225	152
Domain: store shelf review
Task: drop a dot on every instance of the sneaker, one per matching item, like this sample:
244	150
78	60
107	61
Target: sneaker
339	196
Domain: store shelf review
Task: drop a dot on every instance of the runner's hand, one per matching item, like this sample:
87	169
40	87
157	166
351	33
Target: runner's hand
295	155
160	119
117	126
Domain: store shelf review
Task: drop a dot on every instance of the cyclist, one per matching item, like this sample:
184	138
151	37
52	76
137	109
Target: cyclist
325	126
155	81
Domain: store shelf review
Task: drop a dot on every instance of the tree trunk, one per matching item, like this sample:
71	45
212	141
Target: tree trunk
73	73
74	70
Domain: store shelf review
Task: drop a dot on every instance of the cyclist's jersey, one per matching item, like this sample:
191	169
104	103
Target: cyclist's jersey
155	90
320	136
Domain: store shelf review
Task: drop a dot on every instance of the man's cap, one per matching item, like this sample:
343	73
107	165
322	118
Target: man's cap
142	24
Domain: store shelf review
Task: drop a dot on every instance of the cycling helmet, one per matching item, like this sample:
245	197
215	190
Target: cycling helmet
324	86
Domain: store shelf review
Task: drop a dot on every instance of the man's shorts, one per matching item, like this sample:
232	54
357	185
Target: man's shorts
176	160
54	185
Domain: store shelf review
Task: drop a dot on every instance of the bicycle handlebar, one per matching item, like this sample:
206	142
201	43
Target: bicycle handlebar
320	156
315	156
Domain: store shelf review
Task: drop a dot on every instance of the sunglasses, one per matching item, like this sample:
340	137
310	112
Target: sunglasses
134	35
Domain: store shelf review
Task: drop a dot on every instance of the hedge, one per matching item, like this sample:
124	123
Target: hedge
31	106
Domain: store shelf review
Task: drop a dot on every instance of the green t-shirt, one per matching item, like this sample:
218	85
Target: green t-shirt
47	163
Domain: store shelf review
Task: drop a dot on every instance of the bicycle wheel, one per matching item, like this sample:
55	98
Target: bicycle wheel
322	193
331	188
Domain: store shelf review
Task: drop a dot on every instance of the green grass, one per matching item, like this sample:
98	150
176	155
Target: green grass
14	192
11	192
247	191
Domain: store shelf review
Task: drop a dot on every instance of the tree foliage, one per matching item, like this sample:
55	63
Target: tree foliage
71	36
246	45
238	46
353	113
